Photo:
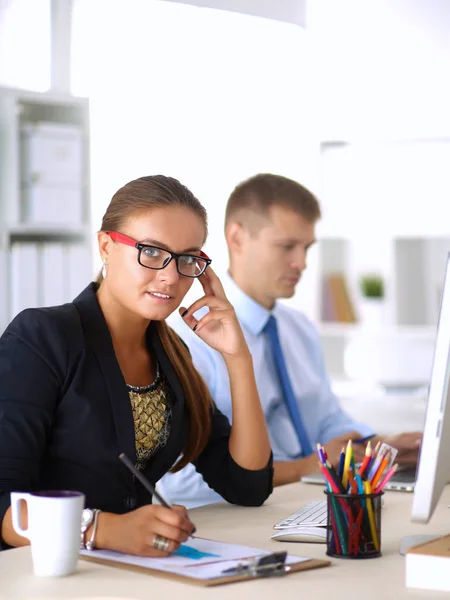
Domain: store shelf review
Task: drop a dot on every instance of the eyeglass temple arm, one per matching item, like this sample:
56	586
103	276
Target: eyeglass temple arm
121	238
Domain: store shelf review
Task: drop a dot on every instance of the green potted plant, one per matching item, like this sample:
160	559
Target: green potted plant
372	286
372	305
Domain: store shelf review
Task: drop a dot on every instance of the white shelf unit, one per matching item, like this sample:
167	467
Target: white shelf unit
67	239
413	272
385	211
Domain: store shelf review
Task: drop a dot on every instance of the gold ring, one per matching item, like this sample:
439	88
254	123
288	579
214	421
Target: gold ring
161	543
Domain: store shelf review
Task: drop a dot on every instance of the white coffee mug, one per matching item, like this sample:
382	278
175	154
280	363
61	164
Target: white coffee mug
54	526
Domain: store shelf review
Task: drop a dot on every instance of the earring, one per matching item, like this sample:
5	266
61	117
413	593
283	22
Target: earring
105	262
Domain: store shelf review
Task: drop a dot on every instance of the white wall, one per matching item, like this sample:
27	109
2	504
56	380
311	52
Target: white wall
383	84
213	97
25	44
383	67
290	11
207	96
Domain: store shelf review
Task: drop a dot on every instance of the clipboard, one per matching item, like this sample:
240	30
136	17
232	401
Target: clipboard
258	564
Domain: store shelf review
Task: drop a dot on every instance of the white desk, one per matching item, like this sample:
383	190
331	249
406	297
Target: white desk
368	579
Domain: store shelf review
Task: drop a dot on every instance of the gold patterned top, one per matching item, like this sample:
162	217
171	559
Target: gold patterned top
152	411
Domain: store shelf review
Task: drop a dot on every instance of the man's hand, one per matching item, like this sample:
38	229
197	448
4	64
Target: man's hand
334	447
291	471
407	444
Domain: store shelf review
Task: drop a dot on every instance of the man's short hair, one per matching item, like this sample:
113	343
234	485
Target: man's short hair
250	201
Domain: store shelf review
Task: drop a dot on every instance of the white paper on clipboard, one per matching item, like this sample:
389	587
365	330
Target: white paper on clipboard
199	558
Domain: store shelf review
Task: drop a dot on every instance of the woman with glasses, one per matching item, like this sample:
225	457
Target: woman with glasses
84	382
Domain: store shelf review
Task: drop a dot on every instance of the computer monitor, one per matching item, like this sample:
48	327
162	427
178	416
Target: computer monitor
433	470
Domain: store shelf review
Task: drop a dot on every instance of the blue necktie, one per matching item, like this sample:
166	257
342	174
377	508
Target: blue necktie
288	393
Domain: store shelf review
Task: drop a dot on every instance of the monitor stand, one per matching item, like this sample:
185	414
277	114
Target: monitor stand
408	541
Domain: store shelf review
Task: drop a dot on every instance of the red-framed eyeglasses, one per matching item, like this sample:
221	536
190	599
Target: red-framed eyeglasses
154	257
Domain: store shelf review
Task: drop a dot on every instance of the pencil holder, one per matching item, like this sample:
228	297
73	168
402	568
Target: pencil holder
354	525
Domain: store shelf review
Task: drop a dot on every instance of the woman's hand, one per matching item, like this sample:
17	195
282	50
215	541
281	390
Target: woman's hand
219	328
249	441
135	532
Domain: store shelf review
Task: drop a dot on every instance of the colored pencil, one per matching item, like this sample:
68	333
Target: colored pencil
385	479
366	459
347	461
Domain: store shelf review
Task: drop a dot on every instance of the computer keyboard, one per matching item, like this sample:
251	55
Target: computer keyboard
314	513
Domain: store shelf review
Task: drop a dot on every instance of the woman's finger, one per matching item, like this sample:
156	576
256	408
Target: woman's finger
181	510
174	517
174	534
211	302
150	550
206	283
212	284
213	315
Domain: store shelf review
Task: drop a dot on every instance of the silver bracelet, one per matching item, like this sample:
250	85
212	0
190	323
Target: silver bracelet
90	545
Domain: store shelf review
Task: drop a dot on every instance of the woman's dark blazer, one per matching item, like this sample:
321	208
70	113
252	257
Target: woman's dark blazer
65	415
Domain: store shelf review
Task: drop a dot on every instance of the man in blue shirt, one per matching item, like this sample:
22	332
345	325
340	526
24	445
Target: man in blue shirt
270	226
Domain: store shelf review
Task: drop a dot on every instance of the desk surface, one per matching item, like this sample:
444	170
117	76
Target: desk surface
373	578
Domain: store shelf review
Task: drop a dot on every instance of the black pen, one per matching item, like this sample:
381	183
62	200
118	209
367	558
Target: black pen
145	482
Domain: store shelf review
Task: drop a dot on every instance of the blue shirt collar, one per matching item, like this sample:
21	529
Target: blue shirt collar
249	312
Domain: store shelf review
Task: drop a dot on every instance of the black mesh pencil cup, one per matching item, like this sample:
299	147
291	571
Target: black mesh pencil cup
354	525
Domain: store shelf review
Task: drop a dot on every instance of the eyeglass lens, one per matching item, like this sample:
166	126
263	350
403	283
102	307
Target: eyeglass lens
155	258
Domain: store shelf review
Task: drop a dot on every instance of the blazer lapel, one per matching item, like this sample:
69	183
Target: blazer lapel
99	339
100	342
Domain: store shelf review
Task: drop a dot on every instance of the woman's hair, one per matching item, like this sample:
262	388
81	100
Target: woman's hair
143	194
